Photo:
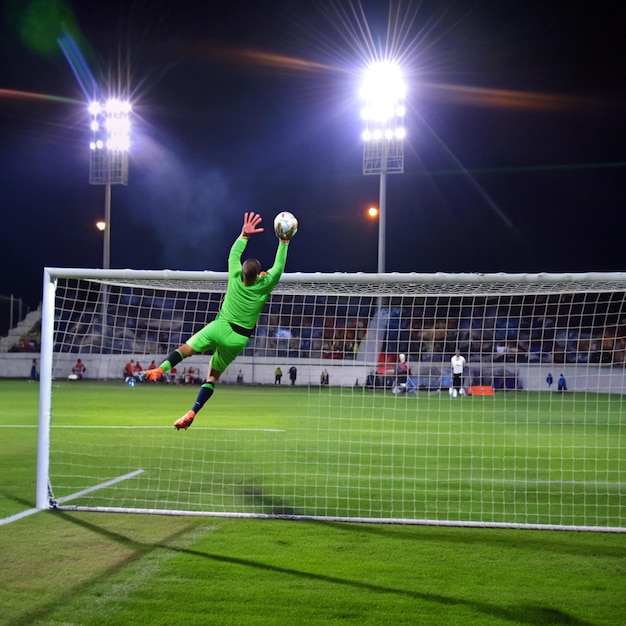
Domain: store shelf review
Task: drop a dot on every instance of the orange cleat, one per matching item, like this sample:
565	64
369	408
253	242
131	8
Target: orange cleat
185	421
154	375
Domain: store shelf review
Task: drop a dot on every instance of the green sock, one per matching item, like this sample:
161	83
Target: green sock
172	360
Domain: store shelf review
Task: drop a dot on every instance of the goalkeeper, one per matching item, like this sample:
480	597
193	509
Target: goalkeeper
229	333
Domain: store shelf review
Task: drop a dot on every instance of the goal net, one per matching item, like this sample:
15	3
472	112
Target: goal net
365	423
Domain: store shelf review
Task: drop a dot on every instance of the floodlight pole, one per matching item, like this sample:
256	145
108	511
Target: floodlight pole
108	165
382	211
383	138
382	157
106	246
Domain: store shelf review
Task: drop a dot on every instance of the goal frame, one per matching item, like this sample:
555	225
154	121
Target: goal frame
377	285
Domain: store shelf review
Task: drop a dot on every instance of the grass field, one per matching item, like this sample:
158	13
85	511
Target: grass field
65	567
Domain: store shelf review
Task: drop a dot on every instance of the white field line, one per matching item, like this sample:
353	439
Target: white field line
94	427
107	483
17	516
78	494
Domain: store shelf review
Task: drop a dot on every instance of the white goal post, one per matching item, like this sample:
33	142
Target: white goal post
347	433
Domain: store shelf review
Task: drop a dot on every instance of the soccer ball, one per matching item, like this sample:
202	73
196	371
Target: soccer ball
285	225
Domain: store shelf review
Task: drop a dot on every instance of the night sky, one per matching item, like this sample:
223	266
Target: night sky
515	158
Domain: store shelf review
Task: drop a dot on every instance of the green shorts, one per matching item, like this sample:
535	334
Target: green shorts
222	340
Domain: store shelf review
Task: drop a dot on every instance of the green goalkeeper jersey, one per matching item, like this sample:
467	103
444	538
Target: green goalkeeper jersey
243	304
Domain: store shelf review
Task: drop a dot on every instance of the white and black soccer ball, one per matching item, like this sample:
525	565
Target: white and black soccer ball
285	225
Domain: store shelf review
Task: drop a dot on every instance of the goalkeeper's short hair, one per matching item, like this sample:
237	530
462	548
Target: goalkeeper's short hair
251	269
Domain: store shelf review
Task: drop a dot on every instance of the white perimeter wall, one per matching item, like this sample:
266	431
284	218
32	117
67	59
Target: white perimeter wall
345	373
257	371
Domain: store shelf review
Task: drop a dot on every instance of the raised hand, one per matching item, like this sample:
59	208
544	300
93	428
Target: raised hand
251	223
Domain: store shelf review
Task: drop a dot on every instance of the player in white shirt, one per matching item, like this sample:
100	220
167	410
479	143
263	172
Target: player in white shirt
458	364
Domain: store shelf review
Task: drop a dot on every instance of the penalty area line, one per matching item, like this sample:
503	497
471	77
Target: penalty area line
73	496
103	485
18	516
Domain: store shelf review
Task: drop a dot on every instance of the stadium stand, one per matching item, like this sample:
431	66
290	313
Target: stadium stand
544	330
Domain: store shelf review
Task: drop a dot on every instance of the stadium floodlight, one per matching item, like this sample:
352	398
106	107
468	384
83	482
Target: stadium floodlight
383	93
108	163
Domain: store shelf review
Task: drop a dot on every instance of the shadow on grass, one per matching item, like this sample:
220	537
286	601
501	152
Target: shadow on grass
532	615
555	541
29	504
138	550
519	615
270	505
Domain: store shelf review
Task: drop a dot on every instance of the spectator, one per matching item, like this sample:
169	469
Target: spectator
34	374
278	376
402	369
137	371
128	371
293	374
78	371
561	384
152	365
402	375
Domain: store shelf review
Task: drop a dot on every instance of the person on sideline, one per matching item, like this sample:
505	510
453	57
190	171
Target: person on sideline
78	371
278	376
324	378
293	374
402	375
228	334
128	371
458	364
34	374
138	374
